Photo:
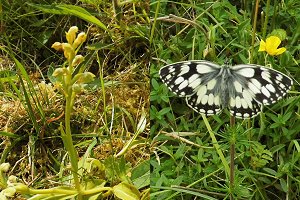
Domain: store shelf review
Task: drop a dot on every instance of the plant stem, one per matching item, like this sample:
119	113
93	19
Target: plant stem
216	145
67	135
266	20
254	31
232	152
65	191
69	141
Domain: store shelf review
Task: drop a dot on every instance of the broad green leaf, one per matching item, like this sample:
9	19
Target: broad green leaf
187	191
296	145
64	9
95	185
126	191
142	124
283	185
141	174
52	196
270	171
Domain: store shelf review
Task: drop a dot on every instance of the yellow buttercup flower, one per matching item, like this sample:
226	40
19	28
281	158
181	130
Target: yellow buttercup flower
271	46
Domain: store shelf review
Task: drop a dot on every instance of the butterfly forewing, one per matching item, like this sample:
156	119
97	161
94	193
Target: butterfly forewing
209	88
183	78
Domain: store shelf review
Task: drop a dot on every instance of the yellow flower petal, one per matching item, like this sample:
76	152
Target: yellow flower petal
262	46
273	42
280	51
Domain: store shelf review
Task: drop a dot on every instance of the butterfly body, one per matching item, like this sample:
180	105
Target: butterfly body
209	87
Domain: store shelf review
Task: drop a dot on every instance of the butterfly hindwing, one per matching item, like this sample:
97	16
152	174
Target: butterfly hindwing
205	102
244	105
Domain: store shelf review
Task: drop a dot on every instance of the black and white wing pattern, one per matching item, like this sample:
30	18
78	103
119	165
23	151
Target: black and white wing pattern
209	87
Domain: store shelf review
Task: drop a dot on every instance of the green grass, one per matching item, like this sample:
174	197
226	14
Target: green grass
190	153
187	160
109	121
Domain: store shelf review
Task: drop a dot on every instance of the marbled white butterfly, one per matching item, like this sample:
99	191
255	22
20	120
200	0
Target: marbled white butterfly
209	87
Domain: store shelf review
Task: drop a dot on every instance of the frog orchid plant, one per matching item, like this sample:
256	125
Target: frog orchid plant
70	83
70	86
